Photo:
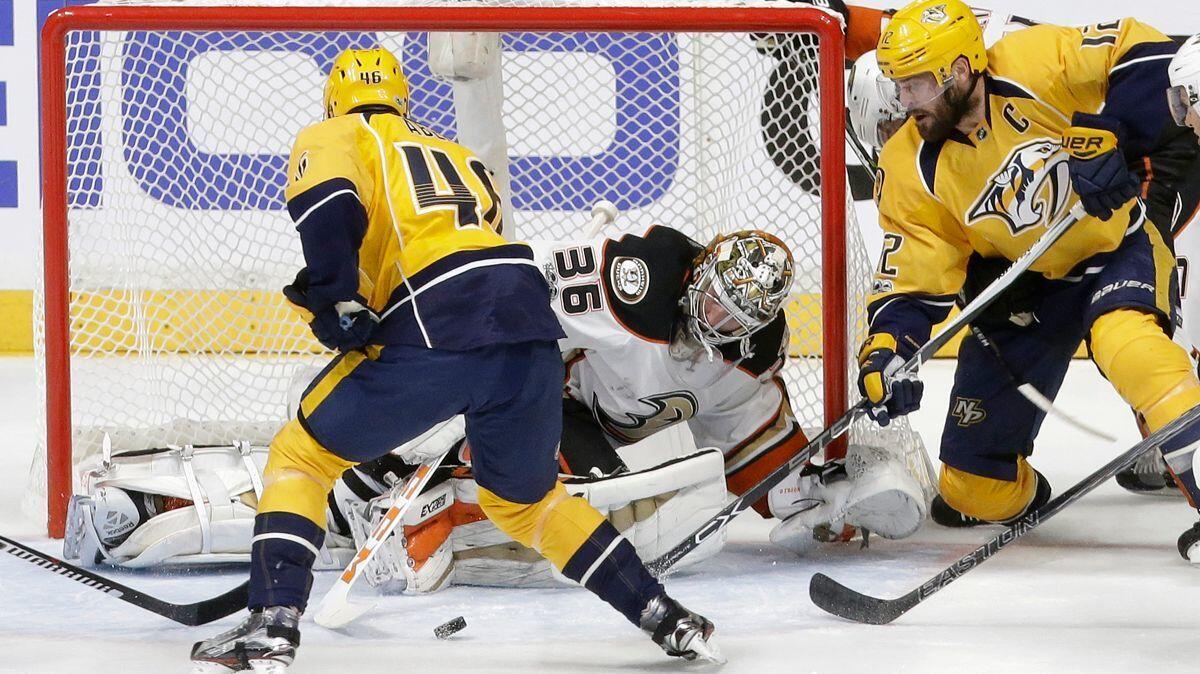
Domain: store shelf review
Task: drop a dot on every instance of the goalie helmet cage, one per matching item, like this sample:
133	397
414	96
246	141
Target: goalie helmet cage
159	318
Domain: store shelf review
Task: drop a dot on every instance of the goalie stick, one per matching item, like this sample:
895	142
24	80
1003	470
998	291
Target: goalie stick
199	613
664	562
604	212
850	604
336	610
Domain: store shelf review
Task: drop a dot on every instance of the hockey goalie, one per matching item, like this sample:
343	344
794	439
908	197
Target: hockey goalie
661	332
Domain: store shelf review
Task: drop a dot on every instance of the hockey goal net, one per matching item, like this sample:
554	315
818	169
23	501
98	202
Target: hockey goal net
167	129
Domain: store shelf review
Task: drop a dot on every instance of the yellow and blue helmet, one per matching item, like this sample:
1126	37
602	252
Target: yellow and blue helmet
928	36
365	77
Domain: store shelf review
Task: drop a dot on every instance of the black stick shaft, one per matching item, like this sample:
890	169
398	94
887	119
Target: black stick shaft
199	613
840	600
717	522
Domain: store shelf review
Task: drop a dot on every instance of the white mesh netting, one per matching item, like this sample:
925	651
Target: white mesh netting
177	144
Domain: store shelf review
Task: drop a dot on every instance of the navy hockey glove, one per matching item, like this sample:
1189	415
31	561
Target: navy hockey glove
342	326
1097	166
890	395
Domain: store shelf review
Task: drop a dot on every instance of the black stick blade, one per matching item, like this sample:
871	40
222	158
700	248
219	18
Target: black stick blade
209	610
843	602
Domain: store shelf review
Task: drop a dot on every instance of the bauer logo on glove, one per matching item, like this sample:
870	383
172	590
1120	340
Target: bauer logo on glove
1099	174
1084	143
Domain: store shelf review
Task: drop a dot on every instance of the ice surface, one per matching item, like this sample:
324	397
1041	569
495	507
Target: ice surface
1098	589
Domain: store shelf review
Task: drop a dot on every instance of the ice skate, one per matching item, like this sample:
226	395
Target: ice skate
680	632
1189	544
1149	475
265	642
942	513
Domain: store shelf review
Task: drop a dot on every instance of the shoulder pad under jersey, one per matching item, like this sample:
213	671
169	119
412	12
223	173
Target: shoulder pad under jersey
644	278
765	350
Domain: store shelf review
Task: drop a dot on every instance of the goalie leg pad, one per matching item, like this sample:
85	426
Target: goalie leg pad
885	498
175	505
654	509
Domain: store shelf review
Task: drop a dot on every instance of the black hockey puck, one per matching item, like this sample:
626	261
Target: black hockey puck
450	627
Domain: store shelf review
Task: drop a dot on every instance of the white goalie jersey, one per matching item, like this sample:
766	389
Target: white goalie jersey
618	300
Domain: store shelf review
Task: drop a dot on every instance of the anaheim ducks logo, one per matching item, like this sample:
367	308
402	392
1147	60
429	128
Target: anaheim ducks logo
668	409
1032	188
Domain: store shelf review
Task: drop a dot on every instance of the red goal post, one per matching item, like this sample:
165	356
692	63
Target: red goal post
649	19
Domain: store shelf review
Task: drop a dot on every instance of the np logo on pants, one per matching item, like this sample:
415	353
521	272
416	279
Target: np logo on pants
968	411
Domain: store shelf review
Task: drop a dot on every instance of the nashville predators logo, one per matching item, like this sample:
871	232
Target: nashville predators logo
968	411
1031	189
668	409
934	15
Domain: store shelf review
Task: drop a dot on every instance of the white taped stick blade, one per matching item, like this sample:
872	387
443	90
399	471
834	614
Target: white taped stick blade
336	610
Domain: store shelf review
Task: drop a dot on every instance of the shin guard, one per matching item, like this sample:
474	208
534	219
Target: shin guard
579	542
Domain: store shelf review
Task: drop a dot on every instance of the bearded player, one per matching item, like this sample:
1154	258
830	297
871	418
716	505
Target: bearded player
434	314
660	331
977	169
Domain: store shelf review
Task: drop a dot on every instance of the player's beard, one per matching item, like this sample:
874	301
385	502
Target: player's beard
936	125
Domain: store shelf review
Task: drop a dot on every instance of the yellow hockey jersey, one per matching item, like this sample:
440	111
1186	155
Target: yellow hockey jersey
394	215
996	190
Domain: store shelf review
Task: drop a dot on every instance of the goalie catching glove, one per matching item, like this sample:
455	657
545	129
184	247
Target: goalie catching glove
890	393
345	325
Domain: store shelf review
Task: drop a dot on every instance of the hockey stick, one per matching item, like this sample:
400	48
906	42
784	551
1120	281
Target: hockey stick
826	437
199	613
336	610
1034	396
840	600
1027	390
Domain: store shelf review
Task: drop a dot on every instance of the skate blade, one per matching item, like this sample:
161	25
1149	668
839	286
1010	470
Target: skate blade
256	666
707	650
209	668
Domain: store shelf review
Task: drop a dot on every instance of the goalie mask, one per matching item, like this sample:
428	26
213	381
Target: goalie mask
738	286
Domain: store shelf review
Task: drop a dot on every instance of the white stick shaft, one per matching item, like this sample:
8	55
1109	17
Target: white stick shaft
1043	403
603	214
